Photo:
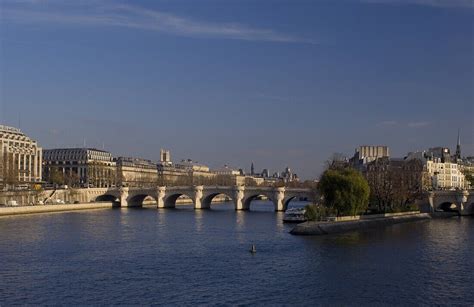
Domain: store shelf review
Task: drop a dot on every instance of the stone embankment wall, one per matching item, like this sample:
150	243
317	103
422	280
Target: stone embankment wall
21	197
374	216
6	211
24	198
322	228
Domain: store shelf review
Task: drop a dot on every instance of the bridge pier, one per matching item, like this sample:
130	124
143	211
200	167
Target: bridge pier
238	197
278	197
461	200
124	196
197	199
431	201
160	197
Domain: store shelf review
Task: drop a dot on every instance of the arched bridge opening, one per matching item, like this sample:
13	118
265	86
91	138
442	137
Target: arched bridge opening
218	199
178	198
108	198
295	201
259	202
140	200
448	207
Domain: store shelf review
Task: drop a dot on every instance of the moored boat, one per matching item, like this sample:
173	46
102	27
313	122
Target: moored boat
295	215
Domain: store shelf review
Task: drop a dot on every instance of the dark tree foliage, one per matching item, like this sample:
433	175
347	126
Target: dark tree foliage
345	191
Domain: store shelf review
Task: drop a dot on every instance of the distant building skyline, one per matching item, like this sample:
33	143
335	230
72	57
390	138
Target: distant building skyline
364	154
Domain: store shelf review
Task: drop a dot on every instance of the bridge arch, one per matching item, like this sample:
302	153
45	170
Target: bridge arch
207	199
288	200
254	196
107	198
447	206
170	200
138	199
298	196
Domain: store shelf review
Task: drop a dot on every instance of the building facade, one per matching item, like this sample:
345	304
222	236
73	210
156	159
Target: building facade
82	167
135	172
365	154
443	171
445	175
165	157
20	158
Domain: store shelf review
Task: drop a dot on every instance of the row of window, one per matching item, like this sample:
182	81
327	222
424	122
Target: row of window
28	144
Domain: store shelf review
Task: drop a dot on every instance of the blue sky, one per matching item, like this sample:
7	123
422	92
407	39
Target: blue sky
279	83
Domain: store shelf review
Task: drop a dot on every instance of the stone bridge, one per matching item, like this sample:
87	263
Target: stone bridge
201	196
461	201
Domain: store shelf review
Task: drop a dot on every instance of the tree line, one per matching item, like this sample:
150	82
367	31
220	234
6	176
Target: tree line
384	186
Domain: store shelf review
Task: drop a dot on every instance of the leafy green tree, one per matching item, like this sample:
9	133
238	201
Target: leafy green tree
345	191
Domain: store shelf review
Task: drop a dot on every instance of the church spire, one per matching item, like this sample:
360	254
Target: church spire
458	145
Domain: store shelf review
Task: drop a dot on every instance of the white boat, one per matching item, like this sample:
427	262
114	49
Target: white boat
295	215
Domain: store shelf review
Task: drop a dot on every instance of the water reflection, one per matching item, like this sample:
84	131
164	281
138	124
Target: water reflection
186	257
199	220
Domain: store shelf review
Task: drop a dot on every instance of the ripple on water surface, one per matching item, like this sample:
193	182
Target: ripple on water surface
182	256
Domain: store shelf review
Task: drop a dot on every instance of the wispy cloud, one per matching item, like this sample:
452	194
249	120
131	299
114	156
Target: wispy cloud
136	17
433	3
387	123
418	124
401	124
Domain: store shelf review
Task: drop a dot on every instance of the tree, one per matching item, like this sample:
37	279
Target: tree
337	161
10	170
394	184
345	191
380	180
469	176
71	179
55	177
224	180
250	182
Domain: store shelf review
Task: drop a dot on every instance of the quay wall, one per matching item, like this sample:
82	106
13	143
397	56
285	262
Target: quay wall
25	198
323	228
19	210
373	216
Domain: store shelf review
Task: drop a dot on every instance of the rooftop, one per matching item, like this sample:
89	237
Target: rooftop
10	129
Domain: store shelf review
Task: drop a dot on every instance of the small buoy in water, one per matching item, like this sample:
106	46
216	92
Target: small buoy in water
253	250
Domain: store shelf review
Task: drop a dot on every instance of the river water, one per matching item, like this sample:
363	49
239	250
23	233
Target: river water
187	257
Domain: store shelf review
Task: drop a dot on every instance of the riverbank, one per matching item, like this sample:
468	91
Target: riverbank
20	210
357	223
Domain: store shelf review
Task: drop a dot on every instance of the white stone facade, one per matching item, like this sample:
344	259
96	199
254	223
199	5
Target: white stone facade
445	175
135	172
20	156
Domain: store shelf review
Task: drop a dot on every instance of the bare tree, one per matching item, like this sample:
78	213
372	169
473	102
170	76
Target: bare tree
337	161
10	170
394	185
250	182
71	179
55	176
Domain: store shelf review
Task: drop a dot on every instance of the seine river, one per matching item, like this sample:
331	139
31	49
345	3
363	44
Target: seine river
187	257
